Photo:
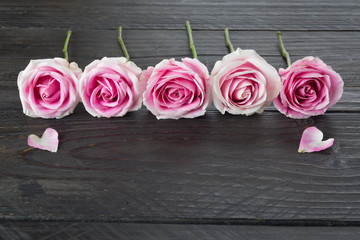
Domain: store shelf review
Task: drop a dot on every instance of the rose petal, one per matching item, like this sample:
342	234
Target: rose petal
311	141
49	140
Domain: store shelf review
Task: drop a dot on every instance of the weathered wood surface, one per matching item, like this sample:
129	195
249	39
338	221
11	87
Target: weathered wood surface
104	231
213	167
217	169
147	48
204	14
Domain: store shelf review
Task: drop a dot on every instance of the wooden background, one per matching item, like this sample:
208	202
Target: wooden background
214	177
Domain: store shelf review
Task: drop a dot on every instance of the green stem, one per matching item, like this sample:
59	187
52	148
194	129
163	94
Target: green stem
122	44
66	45
282	49
191	42
227	40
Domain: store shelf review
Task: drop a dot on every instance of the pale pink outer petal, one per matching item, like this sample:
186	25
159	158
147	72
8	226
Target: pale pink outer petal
311	141
49	140
203	72
75	69
146	77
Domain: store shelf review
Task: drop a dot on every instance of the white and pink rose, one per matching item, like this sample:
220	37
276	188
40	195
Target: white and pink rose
177	89
110	87
48	88
310	87
244	83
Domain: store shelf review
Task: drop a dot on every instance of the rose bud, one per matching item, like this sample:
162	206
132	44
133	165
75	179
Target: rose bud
48	88
110	87
310	87
177	89
244	83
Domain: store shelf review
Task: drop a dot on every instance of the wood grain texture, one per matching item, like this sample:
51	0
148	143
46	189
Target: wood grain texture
217	166
96	231
203	14
147	48
210	177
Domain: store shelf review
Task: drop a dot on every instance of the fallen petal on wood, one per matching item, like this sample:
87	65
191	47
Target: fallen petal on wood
311	141
49	140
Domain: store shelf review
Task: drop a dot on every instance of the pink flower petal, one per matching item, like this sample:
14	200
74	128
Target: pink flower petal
49	140
311	141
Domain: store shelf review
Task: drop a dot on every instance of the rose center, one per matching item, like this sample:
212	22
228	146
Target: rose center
106	94
241	95
108	90
309	90
306	92
175	94
48	89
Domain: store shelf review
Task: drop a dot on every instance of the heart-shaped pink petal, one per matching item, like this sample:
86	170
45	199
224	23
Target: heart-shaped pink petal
49	140
311	141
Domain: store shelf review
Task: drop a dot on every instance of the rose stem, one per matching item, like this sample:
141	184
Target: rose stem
122	44
282	48
191	42
227	40
66	45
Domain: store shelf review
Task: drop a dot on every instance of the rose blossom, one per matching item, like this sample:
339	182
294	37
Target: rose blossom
110	87
244	83
48	88
310	87
177	89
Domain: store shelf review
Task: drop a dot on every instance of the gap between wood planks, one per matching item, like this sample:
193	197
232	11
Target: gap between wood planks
115	28
195	221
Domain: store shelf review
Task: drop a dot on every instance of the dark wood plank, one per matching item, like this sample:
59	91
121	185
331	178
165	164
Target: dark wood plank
215	166
90	231
204	14
18	46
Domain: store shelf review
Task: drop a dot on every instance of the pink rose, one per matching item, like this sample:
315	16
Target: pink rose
244	83
177	89
48	88
110	87
310	87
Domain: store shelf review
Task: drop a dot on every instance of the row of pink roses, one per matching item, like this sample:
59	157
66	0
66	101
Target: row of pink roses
241	83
